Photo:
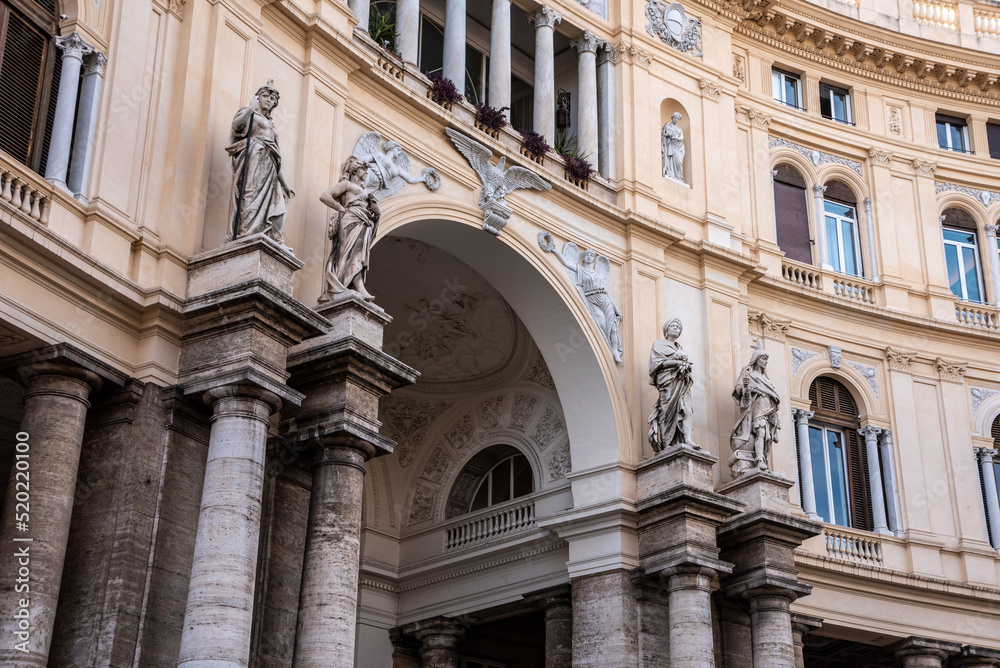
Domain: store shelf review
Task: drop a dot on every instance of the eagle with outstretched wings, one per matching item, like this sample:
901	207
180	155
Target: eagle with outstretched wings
497	182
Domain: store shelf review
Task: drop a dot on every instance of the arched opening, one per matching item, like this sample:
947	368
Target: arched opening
496	475
961	254
843	235
791	214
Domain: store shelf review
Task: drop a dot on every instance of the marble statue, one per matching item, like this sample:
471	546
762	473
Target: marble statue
590	274
497	182
672	149
260	192
673	27
351	230
670	373
757	428
389	168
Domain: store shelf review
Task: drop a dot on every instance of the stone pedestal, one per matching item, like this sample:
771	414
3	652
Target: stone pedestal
916	652
801	626
557	603
679	514
34	528
975	657
240	320
439	638
342	374
760	542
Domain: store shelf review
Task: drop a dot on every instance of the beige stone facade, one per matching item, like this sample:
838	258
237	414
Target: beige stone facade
226	472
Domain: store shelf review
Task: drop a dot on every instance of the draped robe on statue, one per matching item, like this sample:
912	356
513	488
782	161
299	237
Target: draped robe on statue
670	373
758	401
352	237
263	205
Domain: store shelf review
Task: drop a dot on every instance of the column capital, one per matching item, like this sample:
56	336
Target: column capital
73	46
868	205
818	189
243	391
991	230
802	415
976	657
545	16
553	597
805	624
870	433
587	42
95	64
915	646
39	376
986	454
605	54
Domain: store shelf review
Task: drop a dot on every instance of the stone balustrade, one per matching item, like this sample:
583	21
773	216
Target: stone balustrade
940	14
977	315
854	289
24	191
503	522
842	543
802	275
987	23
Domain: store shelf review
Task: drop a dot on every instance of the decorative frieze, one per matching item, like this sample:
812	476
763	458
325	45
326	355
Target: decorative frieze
765	325
815	156
800	355
954	371
923	167
869	373
758	119
880	157
629	53
978	395
987	197
899	361
673	27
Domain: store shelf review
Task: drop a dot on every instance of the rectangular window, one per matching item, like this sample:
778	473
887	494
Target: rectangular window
829	464
953	133
843	247
431	46
835	104
993	139
787	88
962	259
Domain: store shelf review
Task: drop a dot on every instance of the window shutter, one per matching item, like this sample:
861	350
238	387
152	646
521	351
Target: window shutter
791	220
50	115
995	432
982	491
21	76
993	139
857	460
798	460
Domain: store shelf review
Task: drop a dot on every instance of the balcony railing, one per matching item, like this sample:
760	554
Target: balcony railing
940	14
24	191
502	523
850	546
987	24
802	275
977	315
854	290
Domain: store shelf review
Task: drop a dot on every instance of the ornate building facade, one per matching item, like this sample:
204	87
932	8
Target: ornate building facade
215	450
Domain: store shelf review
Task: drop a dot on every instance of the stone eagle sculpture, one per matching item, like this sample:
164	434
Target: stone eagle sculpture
497	181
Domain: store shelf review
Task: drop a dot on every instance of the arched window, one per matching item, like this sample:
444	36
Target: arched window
791	214
961	254
508	480
842	238
839	462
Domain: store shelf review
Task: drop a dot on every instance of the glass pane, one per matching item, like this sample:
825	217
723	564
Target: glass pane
824	105
819	473
431	46
942	133
838	209
996	472
838	487
832	243
840	106
971	274
957	140
791	91
482	498
776	85
850	251
954	271
961	236
523	482
501	482
473	74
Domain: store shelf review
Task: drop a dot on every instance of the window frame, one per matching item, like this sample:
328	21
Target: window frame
826	428
487	479
830	90
950	123
778	91
839	220
961	273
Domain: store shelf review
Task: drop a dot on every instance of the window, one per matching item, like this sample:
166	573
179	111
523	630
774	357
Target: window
842	237
953	133
787	88
791	215
962	259
477	63
829	459
510	479
835	103
993	139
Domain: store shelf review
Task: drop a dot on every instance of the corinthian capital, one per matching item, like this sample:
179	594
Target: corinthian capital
818	189
73	46
587	42
95	64
545	16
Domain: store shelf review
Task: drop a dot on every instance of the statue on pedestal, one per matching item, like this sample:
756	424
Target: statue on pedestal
672	149
260	192
670	373
352	231
757	428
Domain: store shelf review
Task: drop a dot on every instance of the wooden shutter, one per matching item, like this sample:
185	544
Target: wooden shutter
22	73
995	432
857	482
791	220
993	139
982	491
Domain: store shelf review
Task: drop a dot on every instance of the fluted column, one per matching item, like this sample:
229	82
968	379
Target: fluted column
986	456
606	111
689	609
820	214
894	514
217	619
454	43
871	434
586	115
994	259
35	526
74	49
408	30
86	123
872	253
802	418
544	19
500	55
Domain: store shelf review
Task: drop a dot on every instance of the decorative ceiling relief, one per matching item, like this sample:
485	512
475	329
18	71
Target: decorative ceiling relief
422	509
524	408
406	419
548	428
438	464
491	413
560	462
539	373
673	27
461	433
815	156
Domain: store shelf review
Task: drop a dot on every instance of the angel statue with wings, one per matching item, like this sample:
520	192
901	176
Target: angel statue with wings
352	231
497	182
591	274
389	169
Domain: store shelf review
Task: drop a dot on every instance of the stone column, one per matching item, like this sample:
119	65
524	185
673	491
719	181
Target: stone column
500	55
342	374
586	106
405	649
895	515
557	603
217	619
771	620
74	49
871	434
994	260
55	410
986	456
975	657
820	217
689	592
872	253
654	617
454	43
439	639
605	621
915	652
408	30
802	418
802	625
544	19
361	10
606	111
86	124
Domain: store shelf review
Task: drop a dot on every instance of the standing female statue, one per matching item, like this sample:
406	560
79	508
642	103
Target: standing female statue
352	231
672	148
260	193
670	373
757	429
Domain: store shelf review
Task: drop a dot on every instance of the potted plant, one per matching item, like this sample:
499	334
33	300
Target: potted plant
490	120
443	90
578	168
381	26
534	146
